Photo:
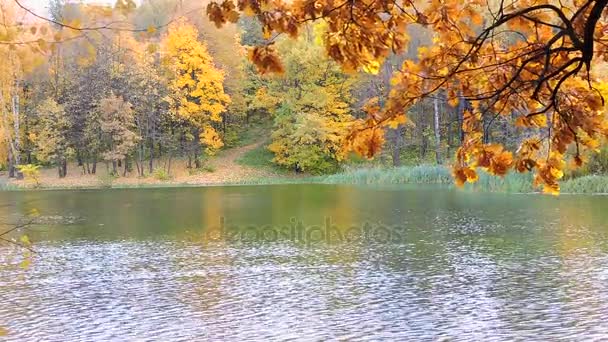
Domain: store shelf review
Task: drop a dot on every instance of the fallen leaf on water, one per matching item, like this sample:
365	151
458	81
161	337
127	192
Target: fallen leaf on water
25	264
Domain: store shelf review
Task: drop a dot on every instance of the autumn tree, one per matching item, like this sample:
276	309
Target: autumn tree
52	137
117	125
19	58
310	104
196	90
531	62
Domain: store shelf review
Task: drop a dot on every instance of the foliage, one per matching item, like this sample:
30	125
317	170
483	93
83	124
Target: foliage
500	86
52	138
106	180
529	63
310	103
209	168
161	174
591	184
31	173
117	124
196	87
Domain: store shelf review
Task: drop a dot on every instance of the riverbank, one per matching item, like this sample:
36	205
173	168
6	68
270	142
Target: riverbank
425	174
218	170
225	170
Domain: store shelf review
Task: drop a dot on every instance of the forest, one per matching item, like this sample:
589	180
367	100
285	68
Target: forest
261	170
139	88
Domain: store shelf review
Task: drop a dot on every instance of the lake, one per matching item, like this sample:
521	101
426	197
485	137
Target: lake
313	262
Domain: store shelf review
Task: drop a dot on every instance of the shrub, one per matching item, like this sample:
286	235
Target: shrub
106	180
161	174
208	168
31	173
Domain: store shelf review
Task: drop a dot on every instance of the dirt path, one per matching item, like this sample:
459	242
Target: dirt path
227	170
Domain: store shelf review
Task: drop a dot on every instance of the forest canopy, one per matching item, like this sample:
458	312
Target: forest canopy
529	61
502	86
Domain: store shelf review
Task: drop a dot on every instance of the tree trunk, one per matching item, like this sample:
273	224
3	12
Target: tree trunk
140	160
169	163
462	106
197	149
114	171
16	141
11	165
151	162
60	167
79	158
437	131
396	151
124	173
139	168
197	161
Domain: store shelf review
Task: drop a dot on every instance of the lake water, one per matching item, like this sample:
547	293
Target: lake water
306	262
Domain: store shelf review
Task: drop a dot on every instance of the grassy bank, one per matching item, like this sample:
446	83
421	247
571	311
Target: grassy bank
426	174
422	174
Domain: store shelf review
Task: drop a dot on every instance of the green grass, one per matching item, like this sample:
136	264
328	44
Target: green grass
252	133
430	174
511	183
591	184
261	158
423	174
258	157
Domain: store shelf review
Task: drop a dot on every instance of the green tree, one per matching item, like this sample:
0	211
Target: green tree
311	104
52	139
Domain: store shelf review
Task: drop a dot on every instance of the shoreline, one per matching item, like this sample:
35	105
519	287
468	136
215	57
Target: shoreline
364	176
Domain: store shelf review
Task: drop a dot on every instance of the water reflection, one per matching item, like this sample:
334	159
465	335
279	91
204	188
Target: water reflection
143	265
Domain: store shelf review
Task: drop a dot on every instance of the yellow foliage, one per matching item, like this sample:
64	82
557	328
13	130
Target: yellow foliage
196	85
520	61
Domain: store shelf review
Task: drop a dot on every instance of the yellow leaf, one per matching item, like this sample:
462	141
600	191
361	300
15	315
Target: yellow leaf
232	16
41	44
25	240
151	29
25	264
453	101
396	121
372	67
476	18
539	120
3	331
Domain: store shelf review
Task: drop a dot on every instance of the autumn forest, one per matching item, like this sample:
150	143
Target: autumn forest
296	170
321	87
